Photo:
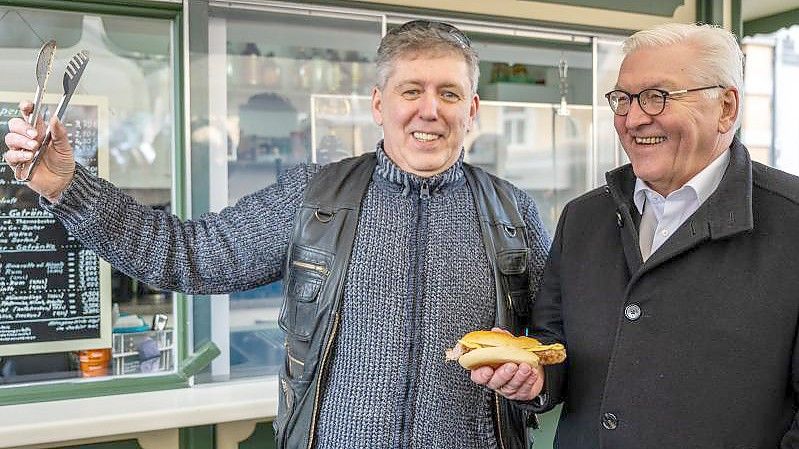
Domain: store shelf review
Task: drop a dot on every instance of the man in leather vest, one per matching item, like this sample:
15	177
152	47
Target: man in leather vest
387	259
674	287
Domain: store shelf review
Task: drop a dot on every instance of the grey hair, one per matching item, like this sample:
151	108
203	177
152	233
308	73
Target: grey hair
720	60
421	37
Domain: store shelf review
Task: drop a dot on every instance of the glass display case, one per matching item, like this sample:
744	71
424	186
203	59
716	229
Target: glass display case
283	72
122	123
291	83
287	87
191	122
274	84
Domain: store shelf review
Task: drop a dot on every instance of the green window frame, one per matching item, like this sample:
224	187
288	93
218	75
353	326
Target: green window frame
188	362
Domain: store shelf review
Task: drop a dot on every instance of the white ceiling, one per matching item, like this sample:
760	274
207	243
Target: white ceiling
753	9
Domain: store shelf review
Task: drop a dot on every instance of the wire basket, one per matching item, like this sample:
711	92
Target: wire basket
129	349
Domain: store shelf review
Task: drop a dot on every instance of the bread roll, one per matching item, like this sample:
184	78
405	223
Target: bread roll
490	348
496	356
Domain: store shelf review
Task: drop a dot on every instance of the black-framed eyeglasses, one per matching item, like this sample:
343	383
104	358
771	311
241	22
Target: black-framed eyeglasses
652	101
451	30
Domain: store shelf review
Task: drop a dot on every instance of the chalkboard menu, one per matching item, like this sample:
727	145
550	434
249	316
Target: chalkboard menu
54	293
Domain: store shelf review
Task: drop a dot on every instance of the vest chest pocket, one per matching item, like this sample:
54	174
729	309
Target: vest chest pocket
306	277
512	264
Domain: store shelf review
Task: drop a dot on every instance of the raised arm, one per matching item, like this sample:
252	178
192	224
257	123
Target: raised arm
241	247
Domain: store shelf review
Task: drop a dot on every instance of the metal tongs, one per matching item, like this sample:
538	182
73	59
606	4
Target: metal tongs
72	74
44	65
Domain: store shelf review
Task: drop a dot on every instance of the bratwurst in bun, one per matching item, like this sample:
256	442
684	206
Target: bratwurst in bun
490	348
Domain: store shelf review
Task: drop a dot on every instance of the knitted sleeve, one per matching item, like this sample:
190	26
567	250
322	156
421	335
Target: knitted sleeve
537	237
239	248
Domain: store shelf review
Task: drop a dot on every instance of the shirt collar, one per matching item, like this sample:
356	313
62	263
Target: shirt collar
410	183
703	184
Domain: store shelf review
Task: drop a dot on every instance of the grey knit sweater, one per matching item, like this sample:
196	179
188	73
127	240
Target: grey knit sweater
418	279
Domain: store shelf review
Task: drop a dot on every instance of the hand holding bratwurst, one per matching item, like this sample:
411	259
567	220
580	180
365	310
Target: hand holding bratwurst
492	348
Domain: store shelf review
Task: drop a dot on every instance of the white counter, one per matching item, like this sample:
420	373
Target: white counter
43	423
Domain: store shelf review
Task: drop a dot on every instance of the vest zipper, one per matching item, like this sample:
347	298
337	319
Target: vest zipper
288	394
320	379
311	266
499	422
296	360
293	360
424	191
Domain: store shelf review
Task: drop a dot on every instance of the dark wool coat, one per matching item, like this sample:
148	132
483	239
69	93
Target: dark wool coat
696	348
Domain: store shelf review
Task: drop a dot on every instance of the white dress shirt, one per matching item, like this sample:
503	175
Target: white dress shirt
680	204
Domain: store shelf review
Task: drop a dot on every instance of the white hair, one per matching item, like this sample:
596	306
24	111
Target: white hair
720	60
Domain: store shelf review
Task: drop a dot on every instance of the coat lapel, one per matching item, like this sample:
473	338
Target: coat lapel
728	211
621	182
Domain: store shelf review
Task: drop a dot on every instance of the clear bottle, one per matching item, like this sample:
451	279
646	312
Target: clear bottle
320	67
304	78
271	72
251	65
334	75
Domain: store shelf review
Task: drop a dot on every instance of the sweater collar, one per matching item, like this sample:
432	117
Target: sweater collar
408	183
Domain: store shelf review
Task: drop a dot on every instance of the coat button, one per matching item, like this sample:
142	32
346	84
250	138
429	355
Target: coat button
632	312
609	421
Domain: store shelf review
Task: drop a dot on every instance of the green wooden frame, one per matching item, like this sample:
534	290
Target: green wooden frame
121	444
772	23
710	11
138	8
186	366
388	8
198	437
663	8
737	26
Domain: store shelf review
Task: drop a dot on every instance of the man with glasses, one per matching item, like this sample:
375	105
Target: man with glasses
673	287
387	259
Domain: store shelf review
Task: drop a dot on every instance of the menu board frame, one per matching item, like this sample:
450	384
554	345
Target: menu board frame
98	104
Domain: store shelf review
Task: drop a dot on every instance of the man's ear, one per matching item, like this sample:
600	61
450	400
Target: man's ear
729	109
377	106
473	108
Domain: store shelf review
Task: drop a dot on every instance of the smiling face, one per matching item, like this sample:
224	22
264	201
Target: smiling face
425	108
669	149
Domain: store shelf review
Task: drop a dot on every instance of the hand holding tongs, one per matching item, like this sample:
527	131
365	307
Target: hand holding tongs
72	75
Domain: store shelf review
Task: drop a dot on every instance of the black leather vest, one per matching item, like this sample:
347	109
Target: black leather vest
316	267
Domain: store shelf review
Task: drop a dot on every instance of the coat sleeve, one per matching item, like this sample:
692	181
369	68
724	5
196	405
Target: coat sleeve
239	248
547	323
791	438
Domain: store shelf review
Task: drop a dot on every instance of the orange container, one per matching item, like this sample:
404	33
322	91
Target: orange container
94	362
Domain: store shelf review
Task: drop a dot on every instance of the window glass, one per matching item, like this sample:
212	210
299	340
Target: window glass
609	153
768	128
296	90
121	122
534	125
289	88
537	149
